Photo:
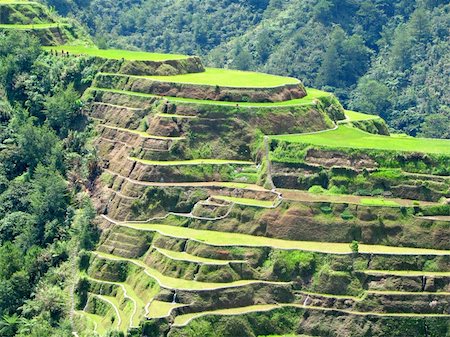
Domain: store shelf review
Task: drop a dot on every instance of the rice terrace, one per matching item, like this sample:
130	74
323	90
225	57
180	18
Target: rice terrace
229	202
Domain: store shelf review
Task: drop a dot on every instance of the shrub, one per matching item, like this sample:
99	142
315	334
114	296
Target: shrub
316	189
347	215
354	246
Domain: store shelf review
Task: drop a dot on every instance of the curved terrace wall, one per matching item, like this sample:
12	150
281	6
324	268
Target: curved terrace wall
191	64
199	91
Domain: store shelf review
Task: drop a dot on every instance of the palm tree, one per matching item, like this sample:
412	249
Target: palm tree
9	325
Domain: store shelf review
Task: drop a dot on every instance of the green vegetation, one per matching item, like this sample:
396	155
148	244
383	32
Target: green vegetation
178	283
159	309
348	137
312	96
235	239
141	133
378	202
44	220
229	78
361	51
246	201
193	162
32	26
354	116
116	54
262	267
185	319
183	256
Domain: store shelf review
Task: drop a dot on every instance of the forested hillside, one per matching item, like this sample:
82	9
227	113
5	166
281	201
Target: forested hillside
379	56
45	173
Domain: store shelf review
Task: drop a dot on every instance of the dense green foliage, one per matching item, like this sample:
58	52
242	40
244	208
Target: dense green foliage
44	168
381	57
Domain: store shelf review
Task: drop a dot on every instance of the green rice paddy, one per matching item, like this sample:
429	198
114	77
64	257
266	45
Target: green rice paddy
349	137
160	309
313	94
141	133
116	54
378	202
229	78
177	283
216	238
192	162
407	273
246	201
353	116
33	26
183	256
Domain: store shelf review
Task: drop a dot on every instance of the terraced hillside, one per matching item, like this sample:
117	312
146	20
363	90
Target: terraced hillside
244	204
36	19
232	200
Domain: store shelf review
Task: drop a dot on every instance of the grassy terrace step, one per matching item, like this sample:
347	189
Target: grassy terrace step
407	293
176	283
140	133
298	195
159	309
353	116
229	78
166	115
192	162
183	256
349	137
234	239
246	201
129	293
411	273
115	54
313	94
123	320
183	320
100	323
245	186
33	26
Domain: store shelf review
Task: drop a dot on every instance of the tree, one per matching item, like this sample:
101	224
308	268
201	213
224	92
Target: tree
345	60
242	58
49	199
436	126
354	246
9	325
62	108
371	96
38	145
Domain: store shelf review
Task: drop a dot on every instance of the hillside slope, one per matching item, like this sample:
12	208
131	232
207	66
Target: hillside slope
236	203
376	56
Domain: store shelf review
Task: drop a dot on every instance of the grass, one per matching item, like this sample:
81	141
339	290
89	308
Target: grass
33	26
353	116
183	256
246	201
159	309
349	137
408	273
235	239
408	293
192	162
100	323
229	78
313	94
141	133
176	283
166	115
183	320
378	202
116	54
